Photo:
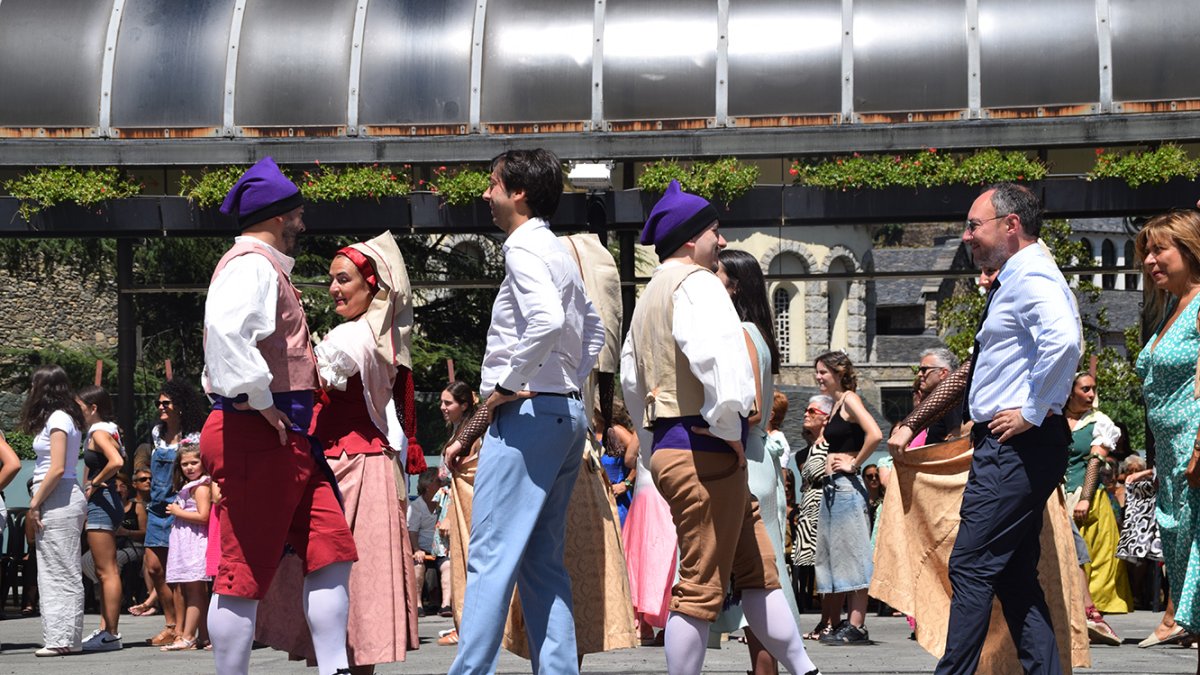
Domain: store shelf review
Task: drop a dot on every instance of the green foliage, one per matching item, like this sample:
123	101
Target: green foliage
460	186
42	188
887	235
93	259
1145	168
211	186
927	168
21	443
723	180
323	183
331	184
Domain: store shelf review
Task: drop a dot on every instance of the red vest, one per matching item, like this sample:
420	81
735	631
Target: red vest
288	351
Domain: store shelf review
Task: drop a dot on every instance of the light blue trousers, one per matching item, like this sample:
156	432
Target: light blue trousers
527	468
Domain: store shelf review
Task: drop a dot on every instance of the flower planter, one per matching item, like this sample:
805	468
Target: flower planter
1075	198
805	204
353	216
10	220
362	215
759	206
431	212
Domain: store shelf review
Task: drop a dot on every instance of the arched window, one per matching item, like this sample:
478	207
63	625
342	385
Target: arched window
781	305
789	313
1132	280
1108	258
1089	259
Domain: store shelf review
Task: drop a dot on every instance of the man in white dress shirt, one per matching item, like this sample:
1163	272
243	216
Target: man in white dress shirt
1027	350
543	340
686	373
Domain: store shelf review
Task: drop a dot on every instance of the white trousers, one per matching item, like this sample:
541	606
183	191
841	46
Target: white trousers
60	581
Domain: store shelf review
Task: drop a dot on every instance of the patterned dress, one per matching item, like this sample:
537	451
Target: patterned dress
1168	371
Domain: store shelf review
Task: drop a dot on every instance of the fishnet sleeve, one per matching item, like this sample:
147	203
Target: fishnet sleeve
1091	478
474	428
941	400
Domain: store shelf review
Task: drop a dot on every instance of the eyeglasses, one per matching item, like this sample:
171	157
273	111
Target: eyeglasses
973	225
163	404
815	411
925	369
144	479
871	476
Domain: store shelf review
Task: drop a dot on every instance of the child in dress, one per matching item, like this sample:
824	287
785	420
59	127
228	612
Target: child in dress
186	566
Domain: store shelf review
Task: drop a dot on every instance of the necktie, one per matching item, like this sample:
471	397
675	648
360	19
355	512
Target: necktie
987	305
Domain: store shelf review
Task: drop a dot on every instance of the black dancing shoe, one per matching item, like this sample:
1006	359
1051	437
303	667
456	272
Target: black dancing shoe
849	635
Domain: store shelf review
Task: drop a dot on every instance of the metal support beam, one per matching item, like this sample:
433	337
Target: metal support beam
126	336
1080	131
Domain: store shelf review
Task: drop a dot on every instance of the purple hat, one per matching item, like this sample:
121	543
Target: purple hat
675	219
262	192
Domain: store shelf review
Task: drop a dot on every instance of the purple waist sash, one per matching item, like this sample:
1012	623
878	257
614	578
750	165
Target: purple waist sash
676	433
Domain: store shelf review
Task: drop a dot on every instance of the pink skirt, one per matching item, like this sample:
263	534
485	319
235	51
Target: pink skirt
650	552
383	585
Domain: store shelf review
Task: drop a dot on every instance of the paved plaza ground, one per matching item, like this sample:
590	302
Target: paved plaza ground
894	653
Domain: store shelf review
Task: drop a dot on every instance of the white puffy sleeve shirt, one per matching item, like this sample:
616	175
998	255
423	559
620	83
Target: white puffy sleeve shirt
238	313
709	333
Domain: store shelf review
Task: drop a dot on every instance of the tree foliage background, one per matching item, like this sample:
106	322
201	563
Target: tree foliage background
1119	391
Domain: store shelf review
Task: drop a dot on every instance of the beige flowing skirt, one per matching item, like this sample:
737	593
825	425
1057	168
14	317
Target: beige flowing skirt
382	625
919	523
593	555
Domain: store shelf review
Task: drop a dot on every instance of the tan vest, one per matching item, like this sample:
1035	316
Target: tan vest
288	351
662	369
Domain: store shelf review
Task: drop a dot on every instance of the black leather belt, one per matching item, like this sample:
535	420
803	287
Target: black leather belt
571	394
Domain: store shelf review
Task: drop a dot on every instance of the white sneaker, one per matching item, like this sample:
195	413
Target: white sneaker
102	641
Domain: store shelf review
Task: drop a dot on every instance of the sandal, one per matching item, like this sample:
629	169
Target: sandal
142	609
180	645
823	628
166	637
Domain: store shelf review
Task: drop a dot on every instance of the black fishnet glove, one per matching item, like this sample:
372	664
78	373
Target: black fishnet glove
941	400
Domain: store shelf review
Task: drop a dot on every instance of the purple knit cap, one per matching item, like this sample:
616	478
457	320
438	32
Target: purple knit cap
261	193
675	219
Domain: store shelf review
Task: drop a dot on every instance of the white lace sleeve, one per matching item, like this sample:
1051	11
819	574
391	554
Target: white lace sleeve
334	365
1105	433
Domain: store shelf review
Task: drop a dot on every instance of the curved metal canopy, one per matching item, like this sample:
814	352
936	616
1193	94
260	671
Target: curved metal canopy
170	82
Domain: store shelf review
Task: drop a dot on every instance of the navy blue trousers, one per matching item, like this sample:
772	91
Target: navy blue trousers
997	549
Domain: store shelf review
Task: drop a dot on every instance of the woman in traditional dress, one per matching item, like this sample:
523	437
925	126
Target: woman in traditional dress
1169	248
1093	437
743	279
365	369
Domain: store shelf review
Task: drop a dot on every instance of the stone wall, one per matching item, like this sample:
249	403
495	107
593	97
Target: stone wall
46	310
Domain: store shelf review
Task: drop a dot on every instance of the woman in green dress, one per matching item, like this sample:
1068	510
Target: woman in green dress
1169	248
1093	437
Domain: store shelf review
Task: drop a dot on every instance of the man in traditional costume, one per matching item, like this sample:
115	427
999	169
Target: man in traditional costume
276	488
686	372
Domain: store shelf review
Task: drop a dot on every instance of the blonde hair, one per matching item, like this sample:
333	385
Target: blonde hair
1182	230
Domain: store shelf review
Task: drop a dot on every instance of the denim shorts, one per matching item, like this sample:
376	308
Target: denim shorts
105	510
843	551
